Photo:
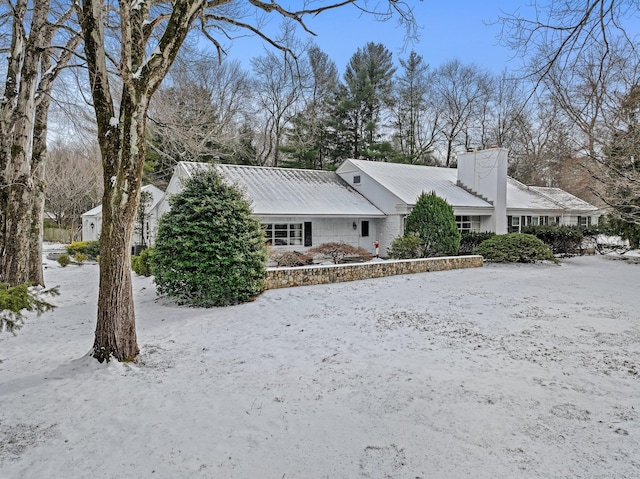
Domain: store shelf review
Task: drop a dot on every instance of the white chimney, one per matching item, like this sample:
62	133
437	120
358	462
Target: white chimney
484	173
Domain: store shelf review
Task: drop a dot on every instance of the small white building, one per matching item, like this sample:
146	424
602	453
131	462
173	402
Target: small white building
368	201
92	220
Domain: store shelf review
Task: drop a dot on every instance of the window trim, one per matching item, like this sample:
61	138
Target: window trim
293	234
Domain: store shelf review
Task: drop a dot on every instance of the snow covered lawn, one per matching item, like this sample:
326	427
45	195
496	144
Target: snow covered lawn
498	372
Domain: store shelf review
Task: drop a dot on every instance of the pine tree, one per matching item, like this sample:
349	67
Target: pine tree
432	219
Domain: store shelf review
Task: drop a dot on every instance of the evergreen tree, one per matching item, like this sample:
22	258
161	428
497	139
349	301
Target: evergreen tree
432	219
210	251
367	90
414	133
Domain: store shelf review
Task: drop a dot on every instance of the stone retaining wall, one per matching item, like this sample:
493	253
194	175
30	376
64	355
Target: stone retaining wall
308	275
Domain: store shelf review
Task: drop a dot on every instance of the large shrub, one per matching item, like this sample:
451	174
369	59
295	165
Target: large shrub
563	240
209	251
471	239
339	252
432	219
514	248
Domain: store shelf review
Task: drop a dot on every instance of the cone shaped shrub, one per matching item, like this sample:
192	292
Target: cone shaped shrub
432	219
210	250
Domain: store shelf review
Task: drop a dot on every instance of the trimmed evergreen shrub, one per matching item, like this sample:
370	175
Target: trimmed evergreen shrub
514	248
210	250
90	248
408	246
15	301
64	260
339	252
290	258
142	264
469	241
563	240
81	258
432	219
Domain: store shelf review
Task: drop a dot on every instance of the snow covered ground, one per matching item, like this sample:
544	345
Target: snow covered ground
504	371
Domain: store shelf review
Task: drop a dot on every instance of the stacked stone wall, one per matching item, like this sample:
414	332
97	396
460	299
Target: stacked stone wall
310	275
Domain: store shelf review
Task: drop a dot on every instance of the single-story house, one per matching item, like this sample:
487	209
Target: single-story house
92	220
368	201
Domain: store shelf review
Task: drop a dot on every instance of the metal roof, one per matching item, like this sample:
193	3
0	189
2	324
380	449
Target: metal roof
286	191
407	182
523	197
156	196
564	198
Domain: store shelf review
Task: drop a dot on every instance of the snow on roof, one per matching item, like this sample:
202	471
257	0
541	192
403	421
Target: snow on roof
156	196
407	182
285	191
93	211
564	198
523	197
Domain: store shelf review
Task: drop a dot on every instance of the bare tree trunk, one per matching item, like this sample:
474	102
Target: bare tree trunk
18	177
123	162
38	159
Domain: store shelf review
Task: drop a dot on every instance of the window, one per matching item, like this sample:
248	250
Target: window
514	224
356	180
584	221
364	229
467	224
283	234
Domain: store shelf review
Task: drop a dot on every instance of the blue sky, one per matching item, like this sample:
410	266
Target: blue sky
463	29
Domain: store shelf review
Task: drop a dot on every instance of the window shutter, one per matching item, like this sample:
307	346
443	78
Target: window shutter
307	233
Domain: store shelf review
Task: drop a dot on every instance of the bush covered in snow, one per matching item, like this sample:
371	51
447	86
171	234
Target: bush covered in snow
210	250
514	248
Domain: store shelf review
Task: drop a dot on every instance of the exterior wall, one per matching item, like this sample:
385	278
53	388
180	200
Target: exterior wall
89	233
389	229
485	173
310	275
328	230
370	189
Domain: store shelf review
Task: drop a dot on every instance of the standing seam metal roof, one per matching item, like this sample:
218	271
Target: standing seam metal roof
407	182
285	191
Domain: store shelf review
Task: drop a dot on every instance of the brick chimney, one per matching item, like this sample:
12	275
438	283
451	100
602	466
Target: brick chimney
484	173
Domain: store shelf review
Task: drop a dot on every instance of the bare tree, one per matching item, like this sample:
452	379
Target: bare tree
460	93
280	81
74	183
40	41
582	49
197	114
148	37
